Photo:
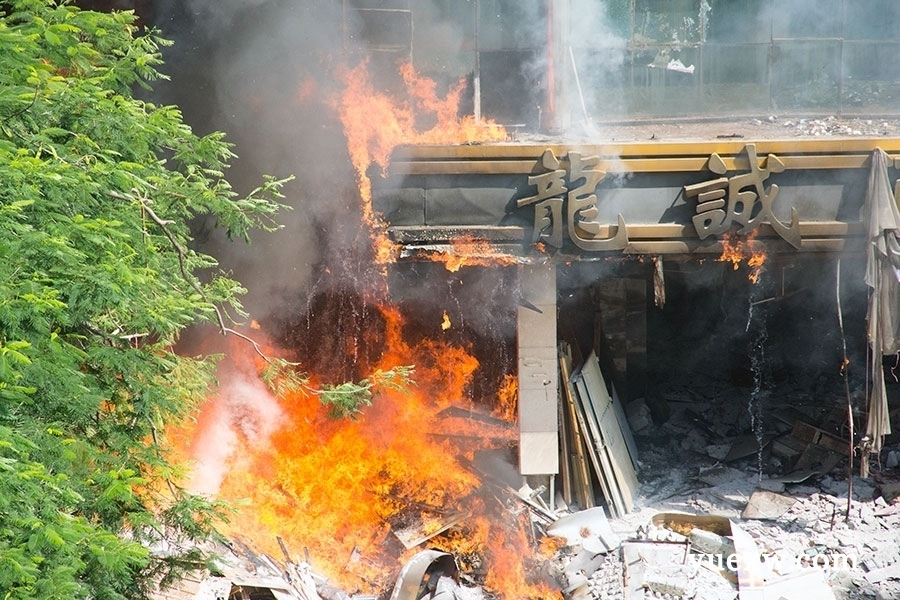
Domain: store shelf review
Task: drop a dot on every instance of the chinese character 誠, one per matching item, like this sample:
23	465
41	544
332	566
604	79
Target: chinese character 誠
575	192
741	200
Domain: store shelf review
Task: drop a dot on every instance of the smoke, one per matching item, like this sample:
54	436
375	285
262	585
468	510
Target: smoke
244	411
596	54
560	61
262	71
265	72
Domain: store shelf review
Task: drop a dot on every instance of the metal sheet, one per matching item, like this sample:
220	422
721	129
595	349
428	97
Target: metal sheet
413	573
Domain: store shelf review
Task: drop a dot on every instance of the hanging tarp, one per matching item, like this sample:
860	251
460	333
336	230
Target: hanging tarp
883	276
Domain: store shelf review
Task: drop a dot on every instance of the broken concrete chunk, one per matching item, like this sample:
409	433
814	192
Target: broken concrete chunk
890	492
802	585
707	542
581	567
766	505
718	451
638	414
674	582
884	573
589	529
747	445
659	567
721	475
892	459
788	447
214	587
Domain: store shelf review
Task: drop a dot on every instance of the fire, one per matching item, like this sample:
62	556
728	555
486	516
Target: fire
508	399
354	495
375	123
467	251
736	249
342	489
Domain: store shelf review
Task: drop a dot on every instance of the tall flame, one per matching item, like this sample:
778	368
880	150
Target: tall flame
375	123
343	490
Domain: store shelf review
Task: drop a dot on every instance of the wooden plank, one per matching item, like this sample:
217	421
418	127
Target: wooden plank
581	476
513	167
640	157
439	233
612	436
599	458
641	231
691	247
813	435
565	460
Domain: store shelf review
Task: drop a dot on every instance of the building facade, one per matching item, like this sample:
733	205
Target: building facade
653	133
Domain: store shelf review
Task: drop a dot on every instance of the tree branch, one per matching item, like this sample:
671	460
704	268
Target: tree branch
358	389
163	224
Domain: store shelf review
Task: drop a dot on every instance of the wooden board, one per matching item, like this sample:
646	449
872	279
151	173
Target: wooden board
581	477
599	458
613	439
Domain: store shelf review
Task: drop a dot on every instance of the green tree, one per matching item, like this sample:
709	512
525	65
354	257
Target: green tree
98	277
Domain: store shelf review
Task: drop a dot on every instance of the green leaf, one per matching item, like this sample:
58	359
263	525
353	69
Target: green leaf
52	37
99	194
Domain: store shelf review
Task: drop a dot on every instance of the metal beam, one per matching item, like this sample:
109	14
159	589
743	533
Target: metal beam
662	157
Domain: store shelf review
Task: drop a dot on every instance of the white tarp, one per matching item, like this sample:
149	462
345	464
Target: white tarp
883	276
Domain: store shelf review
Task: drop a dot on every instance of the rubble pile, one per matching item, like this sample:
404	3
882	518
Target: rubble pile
710	491
833	126
793	508
705	525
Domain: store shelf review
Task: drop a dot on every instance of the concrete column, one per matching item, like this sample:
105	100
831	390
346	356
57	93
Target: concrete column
538	372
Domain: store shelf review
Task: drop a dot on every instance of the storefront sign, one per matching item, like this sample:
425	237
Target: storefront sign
566	202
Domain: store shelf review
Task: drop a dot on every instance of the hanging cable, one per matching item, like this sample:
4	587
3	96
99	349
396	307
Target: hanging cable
844	373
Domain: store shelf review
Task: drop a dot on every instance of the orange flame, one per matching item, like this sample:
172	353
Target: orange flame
467	251
508	399
736	249
342	490
375	123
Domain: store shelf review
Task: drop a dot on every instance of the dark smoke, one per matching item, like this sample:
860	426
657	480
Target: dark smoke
261	72
265	73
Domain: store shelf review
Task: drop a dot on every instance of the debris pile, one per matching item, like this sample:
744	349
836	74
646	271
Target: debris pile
768	127
708	504
833	126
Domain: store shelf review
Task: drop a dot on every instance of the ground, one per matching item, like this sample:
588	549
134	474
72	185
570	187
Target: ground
749	128
684	470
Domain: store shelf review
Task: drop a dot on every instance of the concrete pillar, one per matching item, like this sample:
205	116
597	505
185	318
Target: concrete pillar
538	372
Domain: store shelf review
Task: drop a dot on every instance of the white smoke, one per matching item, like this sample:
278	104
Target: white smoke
243	413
